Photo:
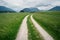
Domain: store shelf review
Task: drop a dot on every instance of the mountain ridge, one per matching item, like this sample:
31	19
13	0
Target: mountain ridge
30	10
56	8
6	9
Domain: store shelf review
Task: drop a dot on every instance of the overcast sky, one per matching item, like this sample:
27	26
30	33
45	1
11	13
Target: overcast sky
20	4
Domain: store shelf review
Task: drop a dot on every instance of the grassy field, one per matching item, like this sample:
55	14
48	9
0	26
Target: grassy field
50	21
10	22
9	25
33	33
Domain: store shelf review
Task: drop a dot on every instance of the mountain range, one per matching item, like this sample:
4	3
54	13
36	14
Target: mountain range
6	9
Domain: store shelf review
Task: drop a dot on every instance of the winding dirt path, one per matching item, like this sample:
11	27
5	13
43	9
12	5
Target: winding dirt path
44	34
23	31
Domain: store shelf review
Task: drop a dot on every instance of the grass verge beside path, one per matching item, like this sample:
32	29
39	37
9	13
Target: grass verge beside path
9	25
33	34
50	21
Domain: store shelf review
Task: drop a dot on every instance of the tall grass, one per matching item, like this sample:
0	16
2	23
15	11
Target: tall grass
9	25
50	21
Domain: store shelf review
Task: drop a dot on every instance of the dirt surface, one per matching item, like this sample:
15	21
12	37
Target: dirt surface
23	31
42	32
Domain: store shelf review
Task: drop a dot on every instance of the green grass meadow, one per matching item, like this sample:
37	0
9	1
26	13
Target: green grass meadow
50	21
9	25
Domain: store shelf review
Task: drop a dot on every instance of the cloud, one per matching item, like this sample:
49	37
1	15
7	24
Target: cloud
20	4
56	3
45	7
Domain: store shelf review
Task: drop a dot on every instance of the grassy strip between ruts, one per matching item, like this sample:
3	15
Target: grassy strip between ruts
33	34
9	25
50	21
